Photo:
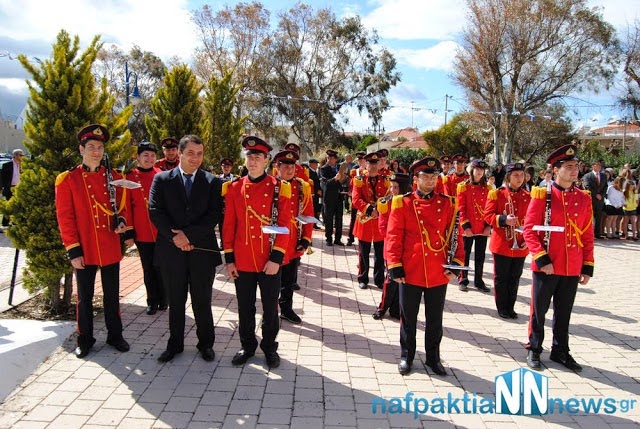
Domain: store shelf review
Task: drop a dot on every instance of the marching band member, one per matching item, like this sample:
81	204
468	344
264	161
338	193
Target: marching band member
227	166
299	234
360	170
458	175
505	210
421	238
366	192
171	156
383	167
561	260
472	197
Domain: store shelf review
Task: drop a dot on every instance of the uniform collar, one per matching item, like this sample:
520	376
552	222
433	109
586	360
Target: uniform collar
257	179
569	189
86	168
144	170
424	196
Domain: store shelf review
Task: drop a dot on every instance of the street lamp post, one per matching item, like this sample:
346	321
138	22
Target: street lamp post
135	95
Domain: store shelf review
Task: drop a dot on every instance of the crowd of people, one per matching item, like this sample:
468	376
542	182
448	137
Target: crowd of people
421	221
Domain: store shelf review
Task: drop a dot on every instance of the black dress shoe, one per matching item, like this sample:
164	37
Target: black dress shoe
82	351
295	286
208	354
533	360
163	307
404	367
437	368
362	285
273	359
167	356
241	357
379	314
482	287
291	316
504	314
566	360
329	243
513	314
152	309
338	243
350	242
121	345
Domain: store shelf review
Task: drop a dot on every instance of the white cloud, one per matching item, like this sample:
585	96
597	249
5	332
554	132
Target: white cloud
438	57
164	28
14	85
415	20
618	13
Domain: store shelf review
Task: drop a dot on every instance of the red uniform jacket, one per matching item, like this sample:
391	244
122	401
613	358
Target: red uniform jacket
85	215
494	214
418	238
571	251
439	186
384	211
299	188
471	201
143	229
164	166
450	183
248	206
364	198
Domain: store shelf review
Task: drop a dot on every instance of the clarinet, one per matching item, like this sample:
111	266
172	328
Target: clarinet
547	217
453	247
112	191
274	211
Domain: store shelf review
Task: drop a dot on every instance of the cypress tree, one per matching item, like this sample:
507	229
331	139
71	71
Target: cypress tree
176	109
222	129
63	98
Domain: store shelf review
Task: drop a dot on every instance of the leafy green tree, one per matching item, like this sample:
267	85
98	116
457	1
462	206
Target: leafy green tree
176	107
222	130
455	137
407	156
63	99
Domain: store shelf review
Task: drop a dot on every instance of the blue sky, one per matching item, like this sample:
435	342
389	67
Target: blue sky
421	34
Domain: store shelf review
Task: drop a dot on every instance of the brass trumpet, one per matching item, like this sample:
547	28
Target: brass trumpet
510	231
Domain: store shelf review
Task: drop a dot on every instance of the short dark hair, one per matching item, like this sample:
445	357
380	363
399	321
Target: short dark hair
189	138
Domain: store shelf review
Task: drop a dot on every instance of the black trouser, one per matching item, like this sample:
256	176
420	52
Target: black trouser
246	285
563	291
598	208
86	279
190	275
332	217
8	194
152	278
506	279
410	298
289	278
390	297
478	269
352	223
364	249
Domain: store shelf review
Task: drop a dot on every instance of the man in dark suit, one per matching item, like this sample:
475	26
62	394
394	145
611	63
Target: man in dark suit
331	207
595	182
10	177
317	189
185	205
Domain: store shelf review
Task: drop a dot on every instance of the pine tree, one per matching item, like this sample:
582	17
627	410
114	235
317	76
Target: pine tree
222	130
63	99
176	108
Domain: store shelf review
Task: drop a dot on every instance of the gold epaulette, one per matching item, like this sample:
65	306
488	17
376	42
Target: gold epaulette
396	202
586	191
382	205
462	186
285	189
225	187
306	188
61	177
358	182
539	192
493	194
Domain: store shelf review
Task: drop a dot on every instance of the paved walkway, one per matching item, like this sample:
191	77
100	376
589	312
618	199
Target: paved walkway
338	360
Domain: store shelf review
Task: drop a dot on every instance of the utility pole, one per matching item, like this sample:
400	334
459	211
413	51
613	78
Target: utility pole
446	107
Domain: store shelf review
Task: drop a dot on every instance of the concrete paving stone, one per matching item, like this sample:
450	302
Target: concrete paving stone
132	388
249	392
97	393
307	422
104	417
170	419
132	423
216	398
160	382
54	377
88	371
308	382
25	424
61	398
146	411
69	421
344	403
83	407
308	395
44	413
308	409
107	380
210	413
182	404
197	377
161	395
277	400
280	386
190	389
245	406
120	402
9	418
373	424
39	390
240	421
274	416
